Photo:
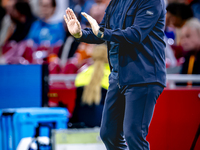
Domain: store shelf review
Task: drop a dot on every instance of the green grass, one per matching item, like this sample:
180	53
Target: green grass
77	138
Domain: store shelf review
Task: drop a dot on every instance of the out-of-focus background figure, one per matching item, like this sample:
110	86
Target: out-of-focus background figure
189	40
43	30
23	18
92	85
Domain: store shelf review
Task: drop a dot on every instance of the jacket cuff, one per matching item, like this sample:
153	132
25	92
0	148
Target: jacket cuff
84	35
107	34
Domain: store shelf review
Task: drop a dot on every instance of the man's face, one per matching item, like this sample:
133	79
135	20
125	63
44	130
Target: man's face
190	38
46	9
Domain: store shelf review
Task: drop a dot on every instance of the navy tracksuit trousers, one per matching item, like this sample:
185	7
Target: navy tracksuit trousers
127	114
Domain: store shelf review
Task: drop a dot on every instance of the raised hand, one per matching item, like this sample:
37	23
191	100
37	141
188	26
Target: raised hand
93	23
73	24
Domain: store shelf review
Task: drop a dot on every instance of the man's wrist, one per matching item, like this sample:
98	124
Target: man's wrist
100	33
78	35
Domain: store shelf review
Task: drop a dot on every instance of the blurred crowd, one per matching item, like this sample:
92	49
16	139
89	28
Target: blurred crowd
34	32
183	36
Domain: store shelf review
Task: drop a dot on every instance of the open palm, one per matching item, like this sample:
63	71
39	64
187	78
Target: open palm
73	24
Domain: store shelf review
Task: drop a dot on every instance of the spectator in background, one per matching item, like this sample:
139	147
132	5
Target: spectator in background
59	11
61	5
97	10
14	49
44	32
22	16
95	6
8	26
177	15
92	84
190	41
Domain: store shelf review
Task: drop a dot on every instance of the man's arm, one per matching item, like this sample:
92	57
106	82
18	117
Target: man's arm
89	37
75	30
146	18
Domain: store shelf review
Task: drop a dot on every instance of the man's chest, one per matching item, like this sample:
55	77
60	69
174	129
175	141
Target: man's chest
118	10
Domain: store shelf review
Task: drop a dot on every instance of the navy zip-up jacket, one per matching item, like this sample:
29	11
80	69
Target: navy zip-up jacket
141	41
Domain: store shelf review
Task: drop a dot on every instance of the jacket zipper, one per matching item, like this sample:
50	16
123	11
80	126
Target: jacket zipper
109	11
119	46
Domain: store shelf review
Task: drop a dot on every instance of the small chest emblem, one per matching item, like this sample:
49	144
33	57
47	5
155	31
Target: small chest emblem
149	12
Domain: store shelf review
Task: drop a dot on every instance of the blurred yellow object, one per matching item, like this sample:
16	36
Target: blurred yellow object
84	77
191	64
190	67
96	76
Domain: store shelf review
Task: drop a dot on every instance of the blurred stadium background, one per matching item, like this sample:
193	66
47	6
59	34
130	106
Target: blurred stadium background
44	72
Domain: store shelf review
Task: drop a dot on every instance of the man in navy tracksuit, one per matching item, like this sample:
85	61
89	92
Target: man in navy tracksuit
134	32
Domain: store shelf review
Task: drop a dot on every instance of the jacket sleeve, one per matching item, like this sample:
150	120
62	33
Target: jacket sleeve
146	18
89	37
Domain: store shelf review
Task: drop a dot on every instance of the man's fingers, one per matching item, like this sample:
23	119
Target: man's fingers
78	24
70	14
65	18
87	17
92	21
73	16
67	14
